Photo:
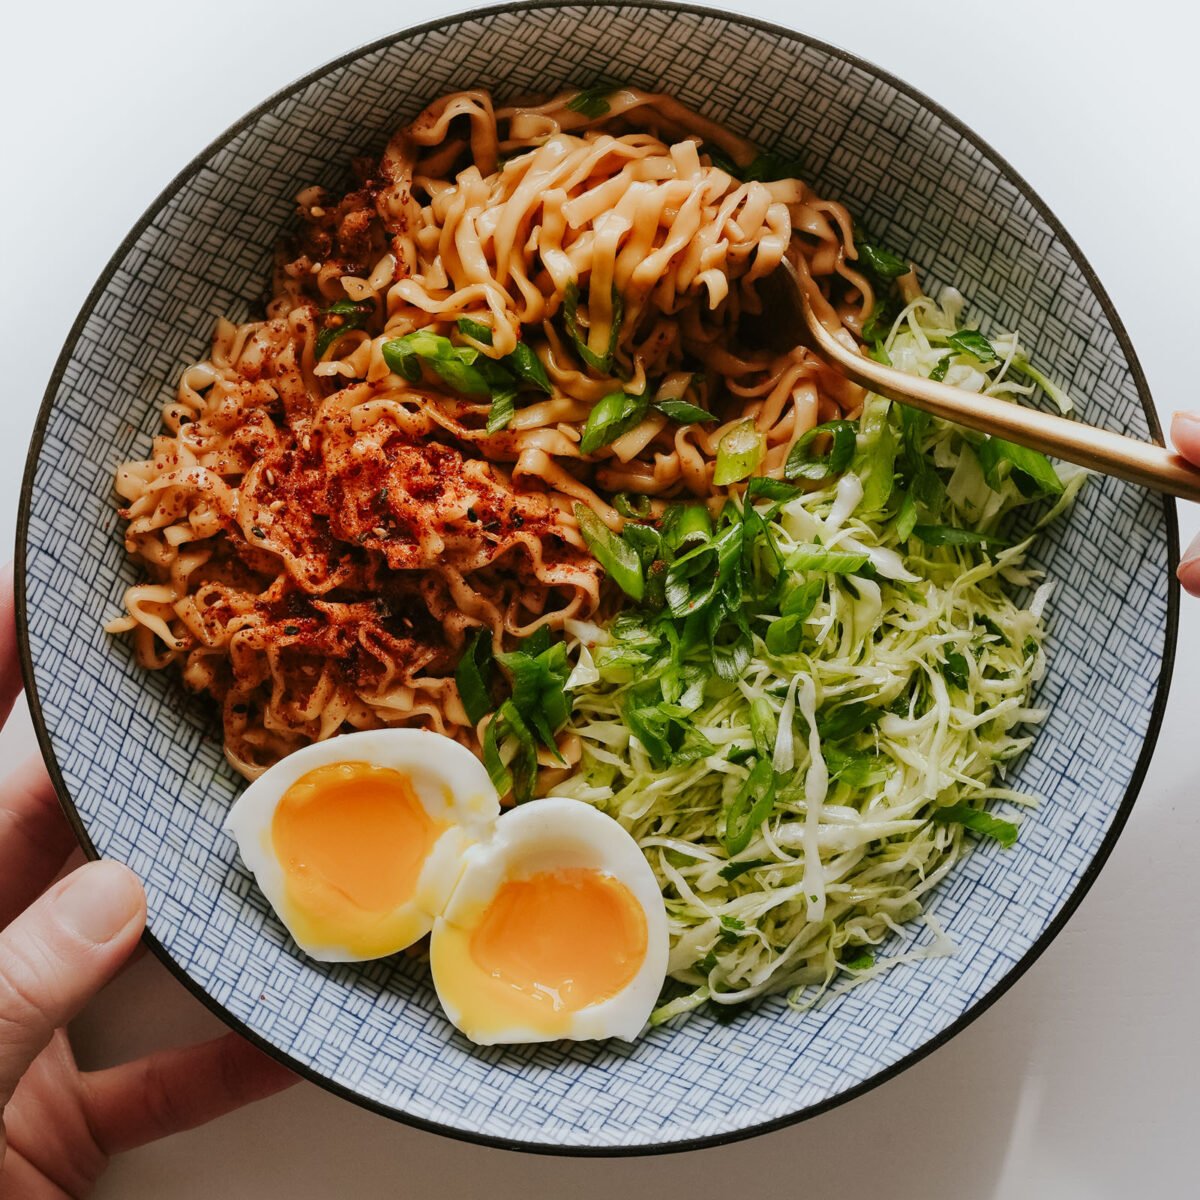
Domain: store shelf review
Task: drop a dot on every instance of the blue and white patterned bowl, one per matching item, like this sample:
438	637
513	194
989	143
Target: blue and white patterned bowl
139	766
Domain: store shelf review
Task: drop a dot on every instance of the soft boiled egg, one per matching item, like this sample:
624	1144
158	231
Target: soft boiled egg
358	841
556	929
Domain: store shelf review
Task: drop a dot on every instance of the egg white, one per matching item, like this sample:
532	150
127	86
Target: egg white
548	835
450	783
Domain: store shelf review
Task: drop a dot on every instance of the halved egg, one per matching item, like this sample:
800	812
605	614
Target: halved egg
556	929
358	841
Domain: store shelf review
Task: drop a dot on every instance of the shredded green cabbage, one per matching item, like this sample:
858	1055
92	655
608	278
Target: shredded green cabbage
897	691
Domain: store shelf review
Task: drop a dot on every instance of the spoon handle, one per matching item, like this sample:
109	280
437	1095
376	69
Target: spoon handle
1145	463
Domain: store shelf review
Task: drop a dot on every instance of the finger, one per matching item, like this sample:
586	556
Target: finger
174	1090
58	953
1185	433
10	667
22	1178
1189	567
35	838
46	1118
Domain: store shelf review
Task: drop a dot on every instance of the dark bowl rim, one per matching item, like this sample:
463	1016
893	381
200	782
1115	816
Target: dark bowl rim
976	1009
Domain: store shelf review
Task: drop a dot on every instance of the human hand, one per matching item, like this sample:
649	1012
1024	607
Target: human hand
1185	433
58	947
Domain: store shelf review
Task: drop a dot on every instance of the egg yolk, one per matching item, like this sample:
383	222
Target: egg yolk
351	839
545	947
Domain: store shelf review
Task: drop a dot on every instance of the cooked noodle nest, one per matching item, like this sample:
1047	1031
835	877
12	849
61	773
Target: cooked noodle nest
320	534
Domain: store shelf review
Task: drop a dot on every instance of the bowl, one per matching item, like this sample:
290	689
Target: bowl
139	766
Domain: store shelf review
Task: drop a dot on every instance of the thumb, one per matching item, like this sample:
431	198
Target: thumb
1185	433
59	953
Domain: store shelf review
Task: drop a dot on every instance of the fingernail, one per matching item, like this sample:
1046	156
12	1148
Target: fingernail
1192	553
99	901
1186	418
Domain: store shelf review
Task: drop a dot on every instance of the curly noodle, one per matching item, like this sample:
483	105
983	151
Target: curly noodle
321	534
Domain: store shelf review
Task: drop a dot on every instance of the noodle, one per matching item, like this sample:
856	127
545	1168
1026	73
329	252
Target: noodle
320	534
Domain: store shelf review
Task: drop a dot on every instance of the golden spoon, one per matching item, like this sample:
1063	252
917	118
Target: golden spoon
790	315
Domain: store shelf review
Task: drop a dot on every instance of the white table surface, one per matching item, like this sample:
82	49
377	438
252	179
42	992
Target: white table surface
1083	1081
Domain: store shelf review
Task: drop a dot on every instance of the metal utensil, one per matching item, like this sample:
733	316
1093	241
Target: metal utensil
792	313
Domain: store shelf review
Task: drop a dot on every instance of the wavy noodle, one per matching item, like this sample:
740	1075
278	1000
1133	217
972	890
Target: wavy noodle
320	535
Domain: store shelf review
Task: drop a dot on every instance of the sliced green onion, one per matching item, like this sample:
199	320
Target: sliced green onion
878	325
847	720
645	540
951	535
599	362
738	453
1005	832
853	768
685	525
767	166
353	314
519	773
863	960
522	362
729	657
683	413
875	457
475	329
958	671
735	870
591	102
615	555
881	262
771	489
750	807
802	463
614	415
632	504
785	634
906	518
526	365
811	557
504	408
454	365
537	689
474	676
646	730
971	341
800	598
763	726
695	579
1030	470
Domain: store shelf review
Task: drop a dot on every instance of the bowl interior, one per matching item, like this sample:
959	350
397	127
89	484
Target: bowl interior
142	764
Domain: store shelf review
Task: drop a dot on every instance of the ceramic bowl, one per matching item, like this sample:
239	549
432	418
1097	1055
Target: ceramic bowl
139	765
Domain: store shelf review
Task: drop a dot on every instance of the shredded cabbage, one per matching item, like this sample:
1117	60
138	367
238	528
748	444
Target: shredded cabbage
908	694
